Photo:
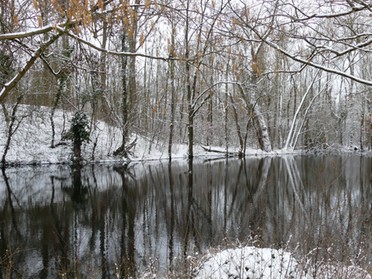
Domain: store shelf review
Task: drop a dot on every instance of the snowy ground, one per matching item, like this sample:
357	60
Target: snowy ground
31	141
30	144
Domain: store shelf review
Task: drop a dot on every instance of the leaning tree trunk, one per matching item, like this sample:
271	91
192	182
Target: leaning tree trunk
257	67
263	132
263	136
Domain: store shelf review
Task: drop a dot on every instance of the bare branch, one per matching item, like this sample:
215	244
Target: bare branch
13	82
308	61
34	32
116	53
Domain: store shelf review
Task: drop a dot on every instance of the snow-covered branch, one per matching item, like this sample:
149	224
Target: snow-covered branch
38	31
116	53
13	82
353	8
309	62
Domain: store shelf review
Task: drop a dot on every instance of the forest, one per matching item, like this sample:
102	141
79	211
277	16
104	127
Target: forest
267	74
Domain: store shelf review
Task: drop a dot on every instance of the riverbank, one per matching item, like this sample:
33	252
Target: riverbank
31	142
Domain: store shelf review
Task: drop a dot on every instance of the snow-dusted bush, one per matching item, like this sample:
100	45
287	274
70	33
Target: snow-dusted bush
78	132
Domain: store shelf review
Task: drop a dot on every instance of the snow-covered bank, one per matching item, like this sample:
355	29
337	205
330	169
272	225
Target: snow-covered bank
31	141
32	136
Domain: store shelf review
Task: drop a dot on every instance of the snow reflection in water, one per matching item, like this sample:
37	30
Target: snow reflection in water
105	220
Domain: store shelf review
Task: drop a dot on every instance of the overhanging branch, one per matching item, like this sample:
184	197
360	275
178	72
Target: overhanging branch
119	53
13	82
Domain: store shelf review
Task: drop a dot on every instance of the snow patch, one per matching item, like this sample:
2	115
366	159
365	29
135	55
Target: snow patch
251	262
269	263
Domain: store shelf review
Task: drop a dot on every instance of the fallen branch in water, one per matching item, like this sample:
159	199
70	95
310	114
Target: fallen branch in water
228	153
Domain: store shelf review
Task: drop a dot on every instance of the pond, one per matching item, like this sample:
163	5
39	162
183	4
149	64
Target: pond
111	221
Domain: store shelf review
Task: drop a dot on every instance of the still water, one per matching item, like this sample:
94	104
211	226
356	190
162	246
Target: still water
103	221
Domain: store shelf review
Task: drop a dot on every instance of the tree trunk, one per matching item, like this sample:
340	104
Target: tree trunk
190	111
238	129
173	90
61	85
263	132
128	72
292	134
12	128
124	102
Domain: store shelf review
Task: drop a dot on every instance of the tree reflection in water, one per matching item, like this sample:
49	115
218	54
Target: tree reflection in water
77	191
106	221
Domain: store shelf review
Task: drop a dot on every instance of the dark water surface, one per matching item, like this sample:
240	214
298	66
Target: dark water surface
103	221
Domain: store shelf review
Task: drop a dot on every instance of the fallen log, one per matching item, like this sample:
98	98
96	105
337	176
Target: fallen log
227	153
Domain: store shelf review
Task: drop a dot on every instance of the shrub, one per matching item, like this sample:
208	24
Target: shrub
78	133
